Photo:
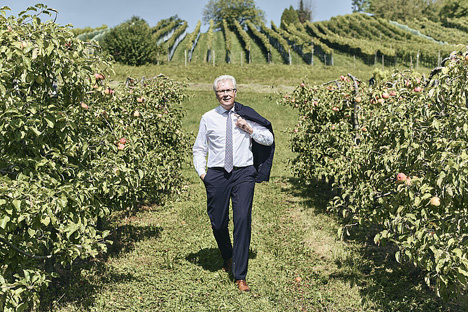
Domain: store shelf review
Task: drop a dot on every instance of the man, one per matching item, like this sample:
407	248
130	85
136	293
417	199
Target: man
239	144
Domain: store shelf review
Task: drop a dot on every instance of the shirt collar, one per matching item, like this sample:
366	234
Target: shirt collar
221	110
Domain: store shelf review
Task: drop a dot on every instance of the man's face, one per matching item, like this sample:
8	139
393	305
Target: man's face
226	94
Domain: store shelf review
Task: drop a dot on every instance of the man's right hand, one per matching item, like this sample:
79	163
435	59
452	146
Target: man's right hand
203	176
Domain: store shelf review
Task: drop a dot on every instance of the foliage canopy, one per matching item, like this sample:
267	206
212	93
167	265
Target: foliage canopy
289	16
230	10
131	43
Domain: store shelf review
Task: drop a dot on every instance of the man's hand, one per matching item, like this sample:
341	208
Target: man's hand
243	125
203	176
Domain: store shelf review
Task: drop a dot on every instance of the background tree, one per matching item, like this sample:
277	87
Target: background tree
360	5
305	11
453	9
131	43
289	16
230	10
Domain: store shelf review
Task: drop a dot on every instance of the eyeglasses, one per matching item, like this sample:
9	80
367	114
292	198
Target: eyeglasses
228	91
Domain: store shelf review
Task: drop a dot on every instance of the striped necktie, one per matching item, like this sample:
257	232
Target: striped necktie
228	151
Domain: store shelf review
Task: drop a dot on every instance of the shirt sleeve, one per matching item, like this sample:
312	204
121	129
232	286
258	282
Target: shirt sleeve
200	149
261	134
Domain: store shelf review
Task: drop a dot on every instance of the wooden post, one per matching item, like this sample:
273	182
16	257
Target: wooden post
312	55
354	61
411	61
290	60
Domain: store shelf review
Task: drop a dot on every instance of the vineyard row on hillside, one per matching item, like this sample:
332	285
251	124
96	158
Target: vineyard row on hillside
371	39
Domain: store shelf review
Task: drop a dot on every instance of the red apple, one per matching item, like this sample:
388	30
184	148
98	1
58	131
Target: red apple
140	99
83	105
392	93
385	95
335	109
121	146
123	140
417	89
302	85
108	91
401	178
358	99
98	76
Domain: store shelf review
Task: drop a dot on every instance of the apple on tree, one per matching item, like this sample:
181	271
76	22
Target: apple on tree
401	178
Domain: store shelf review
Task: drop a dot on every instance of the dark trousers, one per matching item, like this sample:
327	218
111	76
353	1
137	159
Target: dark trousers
237	186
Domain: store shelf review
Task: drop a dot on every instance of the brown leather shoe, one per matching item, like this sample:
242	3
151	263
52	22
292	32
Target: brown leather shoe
227	265
242	285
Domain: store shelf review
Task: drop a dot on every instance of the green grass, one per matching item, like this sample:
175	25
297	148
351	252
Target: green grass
267	74
165	258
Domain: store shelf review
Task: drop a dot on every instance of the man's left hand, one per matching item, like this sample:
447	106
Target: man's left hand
243	125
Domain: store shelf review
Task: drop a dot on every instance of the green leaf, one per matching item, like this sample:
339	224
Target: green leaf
4	221
45	221
50	123
17	204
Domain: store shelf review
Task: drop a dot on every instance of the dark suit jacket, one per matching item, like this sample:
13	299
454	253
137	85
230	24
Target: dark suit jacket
263	155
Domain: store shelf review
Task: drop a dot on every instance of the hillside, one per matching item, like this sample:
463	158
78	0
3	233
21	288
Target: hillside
348	40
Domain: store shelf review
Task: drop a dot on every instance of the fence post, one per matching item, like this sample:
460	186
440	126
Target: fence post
290	60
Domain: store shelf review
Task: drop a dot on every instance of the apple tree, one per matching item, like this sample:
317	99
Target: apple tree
395	155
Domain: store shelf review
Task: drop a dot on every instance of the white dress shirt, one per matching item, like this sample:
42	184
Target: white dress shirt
211	141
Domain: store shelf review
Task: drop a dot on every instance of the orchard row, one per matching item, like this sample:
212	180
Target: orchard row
395	153
73	150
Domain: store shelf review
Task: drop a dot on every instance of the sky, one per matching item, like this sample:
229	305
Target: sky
94	13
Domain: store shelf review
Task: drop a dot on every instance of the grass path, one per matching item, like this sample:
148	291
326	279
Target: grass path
166	259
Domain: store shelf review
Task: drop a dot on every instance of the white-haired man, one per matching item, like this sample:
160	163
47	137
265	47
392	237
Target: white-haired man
240	148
